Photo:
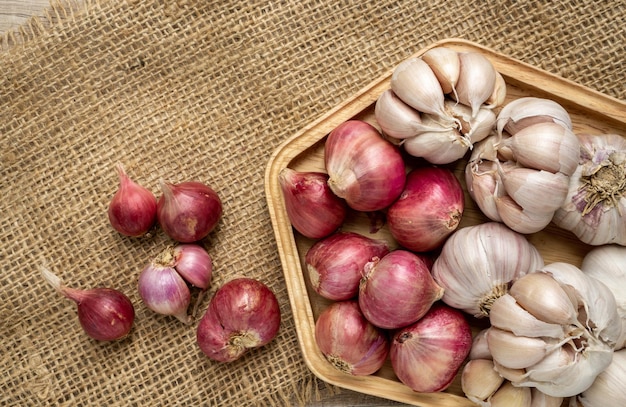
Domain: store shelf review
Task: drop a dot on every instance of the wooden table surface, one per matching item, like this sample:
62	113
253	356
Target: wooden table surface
14	13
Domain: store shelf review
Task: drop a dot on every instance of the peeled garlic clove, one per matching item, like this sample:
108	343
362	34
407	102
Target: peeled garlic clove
508	315
525	185
482	181
498	96
541	295
446	66
511	396
479	380
477	80
515	352
543	146
518	219
437	147
399	120
540	399
525	111
416	84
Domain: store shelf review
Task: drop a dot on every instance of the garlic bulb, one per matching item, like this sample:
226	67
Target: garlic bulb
441	103
595	204
533	154
607	263
608	388
478	263
531	351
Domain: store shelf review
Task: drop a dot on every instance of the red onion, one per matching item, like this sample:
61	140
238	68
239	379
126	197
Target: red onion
164	291
335	264
243	314
132	210
349	341
188	211
365	169
428	210
427	355
397	290
313	209
105	314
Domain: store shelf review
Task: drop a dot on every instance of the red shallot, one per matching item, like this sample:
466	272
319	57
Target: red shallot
365	169
105	314
243	314
335	264
428	210
188	211
427	355
397	290
132	210
349	341
313	209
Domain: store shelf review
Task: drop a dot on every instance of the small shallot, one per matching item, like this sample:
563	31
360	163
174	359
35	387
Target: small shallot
105	314
312	208
336	263
349	341
397	290
427	354
133	209
364	169
429	209
188	211
164	291
243	314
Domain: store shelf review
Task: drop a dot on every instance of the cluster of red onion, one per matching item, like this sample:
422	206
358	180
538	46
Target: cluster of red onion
243	313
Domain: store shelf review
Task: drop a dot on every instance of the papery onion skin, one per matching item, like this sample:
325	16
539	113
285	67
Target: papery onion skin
478	263
427	355
429	209
364	169
105	314
243	314
188	211
349	341
312	208
335	264
397	290
133	209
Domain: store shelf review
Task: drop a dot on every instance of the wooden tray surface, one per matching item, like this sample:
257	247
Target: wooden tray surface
591	112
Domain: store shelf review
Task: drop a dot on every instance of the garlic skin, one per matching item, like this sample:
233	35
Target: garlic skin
478	263
607	264
559	364
595	204
525	111
608	388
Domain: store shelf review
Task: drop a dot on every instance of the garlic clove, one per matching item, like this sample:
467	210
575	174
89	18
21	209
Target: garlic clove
515	352
511	396
437	147
480	348
543	146
498	96
518	219
399	120
508	315
525	111
512	375
414	82
552	365
541	295
524	185
477	80
446	66
479	380
540	399
483	181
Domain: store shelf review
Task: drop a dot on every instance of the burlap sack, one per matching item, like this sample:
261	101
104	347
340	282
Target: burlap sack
201	90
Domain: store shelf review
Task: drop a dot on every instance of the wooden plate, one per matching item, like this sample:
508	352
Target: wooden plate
591	112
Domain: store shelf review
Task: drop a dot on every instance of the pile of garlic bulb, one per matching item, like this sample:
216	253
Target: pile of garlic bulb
441	103
520	174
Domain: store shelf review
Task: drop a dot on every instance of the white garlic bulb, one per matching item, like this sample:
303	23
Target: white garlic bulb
608	388
595	206
478	263
558	362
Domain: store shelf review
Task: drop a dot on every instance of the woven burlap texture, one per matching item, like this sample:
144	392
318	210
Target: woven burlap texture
193	90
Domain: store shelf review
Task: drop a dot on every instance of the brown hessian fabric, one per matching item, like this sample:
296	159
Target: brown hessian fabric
202	90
